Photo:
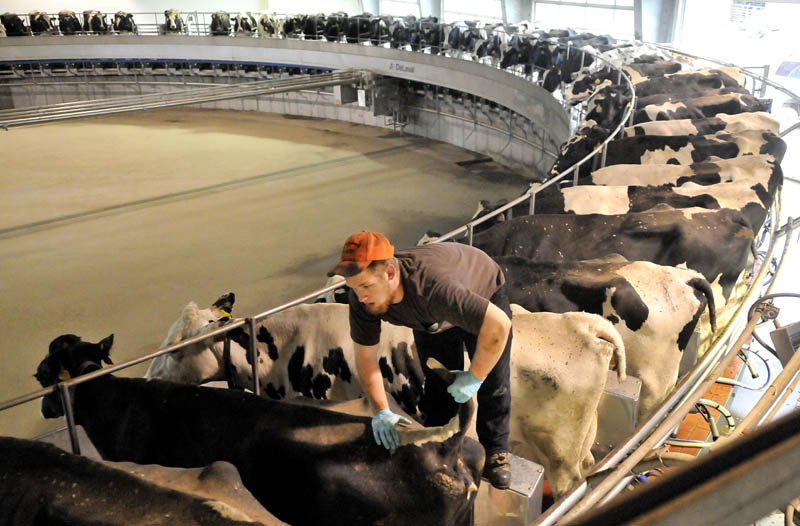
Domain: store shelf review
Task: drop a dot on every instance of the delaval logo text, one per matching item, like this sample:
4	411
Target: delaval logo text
399	66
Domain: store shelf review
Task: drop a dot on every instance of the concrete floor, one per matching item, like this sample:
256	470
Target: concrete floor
113	224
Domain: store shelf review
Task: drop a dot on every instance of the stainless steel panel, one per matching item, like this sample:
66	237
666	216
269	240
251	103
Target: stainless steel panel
518	505
616	412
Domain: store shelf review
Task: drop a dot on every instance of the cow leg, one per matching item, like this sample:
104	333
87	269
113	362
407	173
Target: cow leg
436	404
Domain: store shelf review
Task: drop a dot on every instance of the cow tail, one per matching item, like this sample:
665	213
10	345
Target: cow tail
613	337
701	285
466	411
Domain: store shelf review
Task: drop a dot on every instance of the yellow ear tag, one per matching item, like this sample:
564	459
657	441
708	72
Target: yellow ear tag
224	315
597	81
64	375
599	108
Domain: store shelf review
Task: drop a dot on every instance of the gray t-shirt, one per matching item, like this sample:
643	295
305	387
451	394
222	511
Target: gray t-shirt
444	285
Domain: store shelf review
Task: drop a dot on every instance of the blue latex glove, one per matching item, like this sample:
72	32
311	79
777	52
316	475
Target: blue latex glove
383	428
464	386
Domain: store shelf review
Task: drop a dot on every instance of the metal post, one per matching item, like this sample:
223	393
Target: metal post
531	203
603	158
470	229
66	403
254	356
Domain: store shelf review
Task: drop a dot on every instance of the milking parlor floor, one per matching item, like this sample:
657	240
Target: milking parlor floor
113	224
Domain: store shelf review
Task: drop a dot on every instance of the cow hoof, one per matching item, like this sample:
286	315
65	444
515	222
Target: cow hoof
498	470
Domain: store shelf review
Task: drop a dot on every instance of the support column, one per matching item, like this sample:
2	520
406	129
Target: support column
371	6
431	8
516	10
654	20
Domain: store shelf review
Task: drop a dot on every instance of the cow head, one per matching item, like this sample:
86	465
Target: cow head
201	361
68	357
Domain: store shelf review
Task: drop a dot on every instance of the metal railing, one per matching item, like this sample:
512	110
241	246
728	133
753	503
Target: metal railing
643	438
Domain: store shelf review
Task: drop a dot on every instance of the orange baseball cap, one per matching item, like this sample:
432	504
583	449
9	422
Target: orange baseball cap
360	250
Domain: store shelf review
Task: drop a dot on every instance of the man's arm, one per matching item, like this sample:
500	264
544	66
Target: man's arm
491	342
370	374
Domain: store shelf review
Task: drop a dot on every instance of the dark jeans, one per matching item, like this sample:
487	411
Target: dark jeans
494	396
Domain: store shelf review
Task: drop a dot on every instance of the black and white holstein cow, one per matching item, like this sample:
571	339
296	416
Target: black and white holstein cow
244	23
220	23
654	308
44	485
559	368
173	22
281	450
761	172
69	23
303	351
123	22
697	108
672	149
95	21
716	243
269	25
40	23
722	122
13	24
752	200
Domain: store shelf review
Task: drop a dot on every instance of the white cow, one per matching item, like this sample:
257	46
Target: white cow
559	365
753	169
305	350
736	123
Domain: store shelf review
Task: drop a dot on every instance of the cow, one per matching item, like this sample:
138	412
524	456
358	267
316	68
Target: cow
313	27
639	72
751	199
173	22
677	149
716	243
755	170
358	28
269	25
331	458
2	30
13	24
559	368
40	22
520	51
587	83
68	22
42	484
219	481
304	351
699	107
654	308
244	23
688	83
220	23
123	23
335	26
641	53
95	21
736	123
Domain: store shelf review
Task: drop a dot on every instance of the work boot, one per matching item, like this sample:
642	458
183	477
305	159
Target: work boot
498	470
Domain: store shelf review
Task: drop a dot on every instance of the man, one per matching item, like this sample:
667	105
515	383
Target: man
453	296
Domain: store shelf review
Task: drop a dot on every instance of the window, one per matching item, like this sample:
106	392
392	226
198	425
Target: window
603	17
487	11
400	7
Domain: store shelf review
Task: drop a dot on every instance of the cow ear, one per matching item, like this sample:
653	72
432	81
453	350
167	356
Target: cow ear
105	348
